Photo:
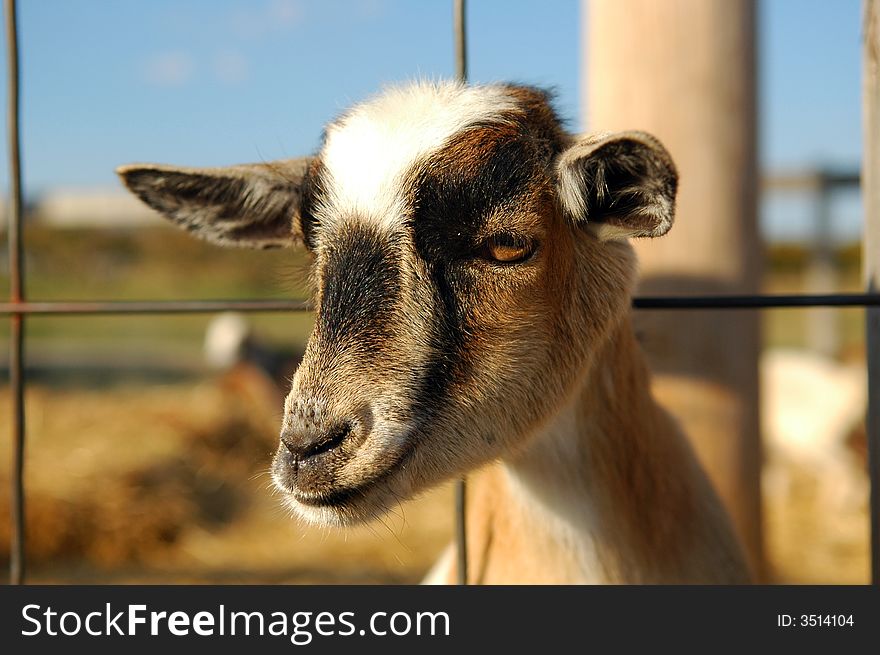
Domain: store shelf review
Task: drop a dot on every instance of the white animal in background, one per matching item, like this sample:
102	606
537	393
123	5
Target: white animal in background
232	346
226	340
810	406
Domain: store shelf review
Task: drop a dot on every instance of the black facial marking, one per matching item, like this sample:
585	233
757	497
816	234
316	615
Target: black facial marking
447	345
453	199
454	194
359	291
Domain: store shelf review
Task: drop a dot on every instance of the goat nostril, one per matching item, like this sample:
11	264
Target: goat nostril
330	441
303	448
291	447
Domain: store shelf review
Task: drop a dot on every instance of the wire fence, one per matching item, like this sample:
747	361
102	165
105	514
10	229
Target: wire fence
18	308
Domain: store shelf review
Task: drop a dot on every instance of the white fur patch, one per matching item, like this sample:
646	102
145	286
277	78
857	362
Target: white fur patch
369	149
557	497
609	232
570	186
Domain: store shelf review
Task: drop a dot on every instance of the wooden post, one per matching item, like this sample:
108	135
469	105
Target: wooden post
823	335
684	70
871	260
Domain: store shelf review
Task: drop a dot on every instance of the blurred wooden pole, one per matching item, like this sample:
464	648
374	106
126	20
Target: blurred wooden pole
871	259
685	71
823	335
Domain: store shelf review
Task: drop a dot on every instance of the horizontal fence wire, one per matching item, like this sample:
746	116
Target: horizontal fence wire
152	307
210	306
758	301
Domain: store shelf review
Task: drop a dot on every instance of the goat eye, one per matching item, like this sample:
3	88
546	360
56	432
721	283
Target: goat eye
508	248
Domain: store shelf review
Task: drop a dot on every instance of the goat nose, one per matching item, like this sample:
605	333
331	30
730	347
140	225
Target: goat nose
305	444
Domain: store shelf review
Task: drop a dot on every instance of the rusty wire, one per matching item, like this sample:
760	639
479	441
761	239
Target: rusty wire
16	297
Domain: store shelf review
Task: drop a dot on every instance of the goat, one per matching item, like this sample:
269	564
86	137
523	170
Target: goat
472	279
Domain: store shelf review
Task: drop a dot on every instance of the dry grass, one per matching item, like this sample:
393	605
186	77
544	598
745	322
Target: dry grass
168	484
807	544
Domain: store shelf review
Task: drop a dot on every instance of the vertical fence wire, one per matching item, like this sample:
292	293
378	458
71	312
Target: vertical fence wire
460	30
16	296
460	36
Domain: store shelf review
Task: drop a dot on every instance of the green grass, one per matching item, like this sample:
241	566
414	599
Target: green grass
151	264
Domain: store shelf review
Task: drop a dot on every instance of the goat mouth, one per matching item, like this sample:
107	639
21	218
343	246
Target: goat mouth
339	498
352	500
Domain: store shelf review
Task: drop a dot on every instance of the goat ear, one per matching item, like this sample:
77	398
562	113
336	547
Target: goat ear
618	185
252	205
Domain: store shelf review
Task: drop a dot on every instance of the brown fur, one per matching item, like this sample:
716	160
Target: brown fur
430	359
657	518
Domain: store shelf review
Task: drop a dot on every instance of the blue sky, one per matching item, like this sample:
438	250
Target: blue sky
208	82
